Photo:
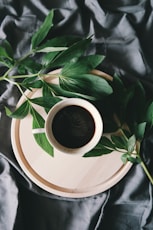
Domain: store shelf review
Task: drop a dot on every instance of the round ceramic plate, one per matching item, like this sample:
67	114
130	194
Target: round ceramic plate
63	175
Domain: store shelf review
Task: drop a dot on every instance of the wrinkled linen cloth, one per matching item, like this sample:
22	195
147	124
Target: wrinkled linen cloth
122	31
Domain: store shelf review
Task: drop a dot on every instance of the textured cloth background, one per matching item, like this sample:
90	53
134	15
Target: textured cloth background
122	30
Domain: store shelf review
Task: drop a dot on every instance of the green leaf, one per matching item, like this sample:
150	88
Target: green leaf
121	98
131	144
46	102
58	91
117	83
139	101
124	158
110	126
42	32
30	79
119	141
47	92
128	157
41	139
149	114
118	88
48	57
29	65
98	152
139	130
51	49
8	48
63	41
105	141
3	52
5	59
35	84
87	84
124	103
136	159
136	105
31	82
82	65
6	62
21	112
73	52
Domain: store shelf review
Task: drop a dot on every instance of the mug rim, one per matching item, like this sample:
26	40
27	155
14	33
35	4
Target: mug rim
98	122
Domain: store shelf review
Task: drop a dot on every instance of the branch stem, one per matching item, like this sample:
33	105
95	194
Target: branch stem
23	76
147	172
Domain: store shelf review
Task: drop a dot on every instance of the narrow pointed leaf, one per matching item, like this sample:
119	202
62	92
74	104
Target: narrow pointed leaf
35	84
139	130
149	114
5	58
119	142
59	41
3	52
105	141
51	49
98	152
82	66
42	32
124	158
64	41
30	79
74	51
8	48
32	82
46	102
29	66
48	58
41	139
87	84
59	91
21	112
47	92
131	144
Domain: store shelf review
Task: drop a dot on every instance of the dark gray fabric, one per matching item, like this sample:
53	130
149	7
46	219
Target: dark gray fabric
122	30
8	196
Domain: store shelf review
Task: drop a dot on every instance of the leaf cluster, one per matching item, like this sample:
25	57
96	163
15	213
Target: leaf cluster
132	107
128	115
126	109
75	79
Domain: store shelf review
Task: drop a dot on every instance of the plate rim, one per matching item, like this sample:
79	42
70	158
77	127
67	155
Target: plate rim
38	180
64	192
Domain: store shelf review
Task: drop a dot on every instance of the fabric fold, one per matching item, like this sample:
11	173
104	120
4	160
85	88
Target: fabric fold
8	196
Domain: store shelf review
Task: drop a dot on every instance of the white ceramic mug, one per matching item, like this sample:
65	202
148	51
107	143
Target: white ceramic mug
73	126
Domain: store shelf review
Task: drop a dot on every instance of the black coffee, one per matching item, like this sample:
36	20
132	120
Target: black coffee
73	126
